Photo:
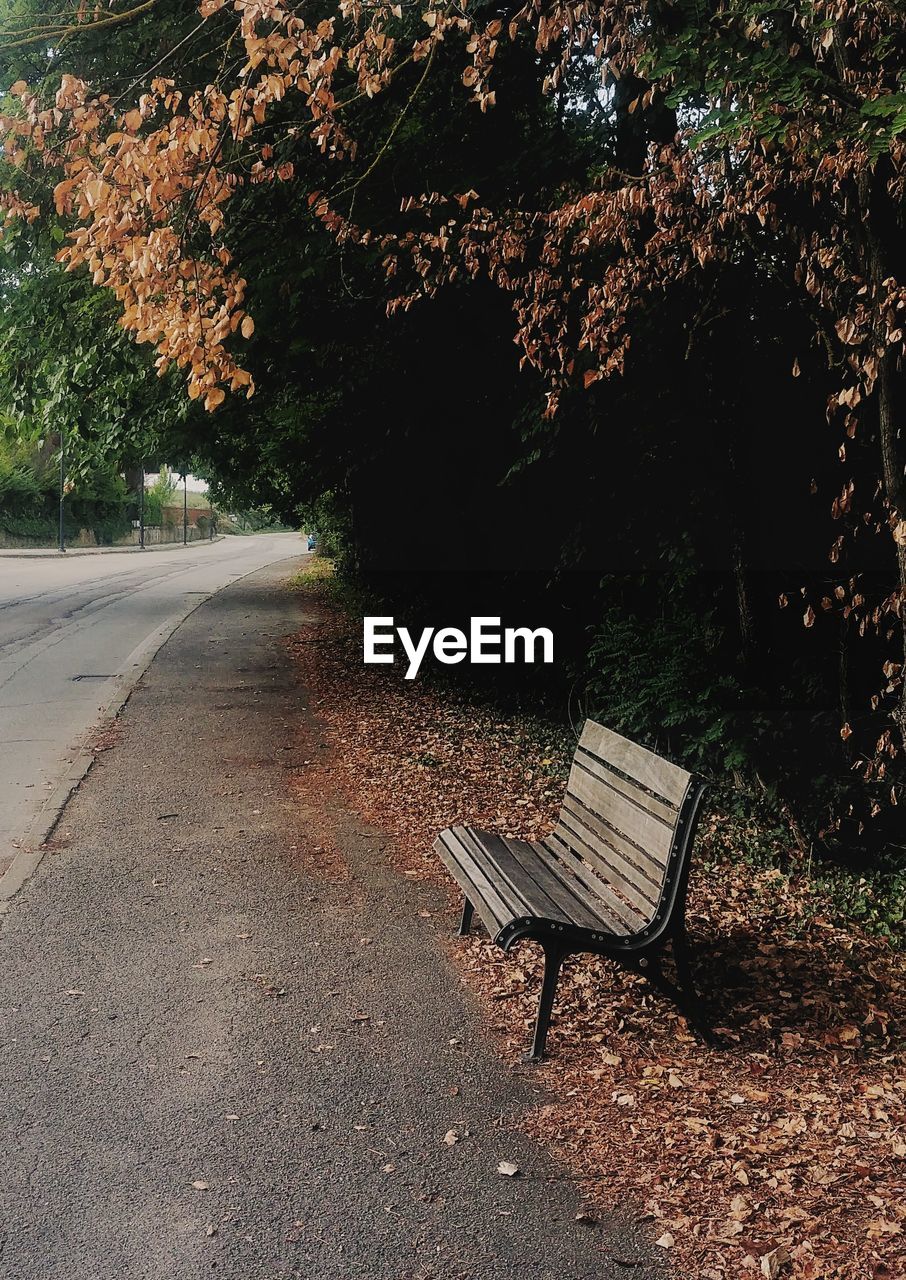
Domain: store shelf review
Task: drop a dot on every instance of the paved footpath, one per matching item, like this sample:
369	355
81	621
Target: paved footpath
217	1060
75	635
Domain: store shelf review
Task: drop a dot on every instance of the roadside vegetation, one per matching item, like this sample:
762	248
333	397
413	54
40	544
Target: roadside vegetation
98	502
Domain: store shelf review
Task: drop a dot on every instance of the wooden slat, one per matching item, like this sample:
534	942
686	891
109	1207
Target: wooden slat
624	918
471	890
488	888
533	881
519	898
544	892
664	779
484	895
612	850
618	871
651	836
614	781
554	887
587	887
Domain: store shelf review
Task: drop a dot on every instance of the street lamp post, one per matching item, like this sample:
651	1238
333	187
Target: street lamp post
141	510
185	510
62	490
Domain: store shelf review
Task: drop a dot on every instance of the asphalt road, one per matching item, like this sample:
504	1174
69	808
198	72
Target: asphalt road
223	1055
73	634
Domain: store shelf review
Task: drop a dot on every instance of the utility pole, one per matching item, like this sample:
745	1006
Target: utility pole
141	510
62	490
185	510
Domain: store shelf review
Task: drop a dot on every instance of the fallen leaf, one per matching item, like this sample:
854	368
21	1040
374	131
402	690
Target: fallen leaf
773	1262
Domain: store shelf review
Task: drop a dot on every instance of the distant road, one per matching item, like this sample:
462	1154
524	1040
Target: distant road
74	635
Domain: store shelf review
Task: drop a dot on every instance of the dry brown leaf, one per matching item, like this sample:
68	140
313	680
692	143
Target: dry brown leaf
773	1263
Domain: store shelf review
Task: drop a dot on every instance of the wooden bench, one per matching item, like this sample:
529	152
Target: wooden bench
610	878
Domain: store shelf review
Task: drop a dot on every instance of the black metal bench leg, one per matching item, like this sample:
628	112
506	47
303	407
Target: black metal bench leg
691	1004
465	923
553	959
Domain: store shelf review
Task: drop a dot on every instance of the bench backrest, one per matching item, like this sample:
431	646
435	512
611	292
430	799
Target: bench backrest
623	809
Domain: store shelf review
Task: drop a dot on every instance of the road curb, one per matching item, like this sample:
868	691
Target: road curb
30	856
34	844
49	553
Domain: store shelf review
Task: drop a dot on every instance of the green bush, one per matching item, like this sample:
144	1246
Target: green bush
29	498
42	526
25	478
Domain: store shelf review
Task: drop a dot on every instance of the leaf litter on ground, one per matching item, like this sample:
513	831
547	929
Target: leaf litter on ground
782	1154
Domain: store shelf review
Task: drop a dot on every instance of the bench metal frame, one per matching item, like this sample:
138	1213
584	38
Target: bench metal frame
640	952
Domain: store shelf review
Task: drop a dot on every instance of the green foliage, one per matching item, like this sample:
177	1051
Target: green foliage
29	496
159	495
767	56
875	897
661	680
42	527
66	364
23	480
246	522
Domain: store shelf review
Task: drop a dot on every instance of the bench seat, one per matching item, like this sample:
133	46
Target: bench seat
609	879
509	880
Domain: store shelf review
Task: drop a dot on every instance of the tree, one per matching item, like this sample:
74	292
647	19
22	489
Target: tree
642	164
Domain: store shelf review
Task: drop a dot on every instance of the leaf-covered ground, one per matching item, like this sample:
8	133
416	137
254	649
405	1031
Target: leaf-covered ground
784	1154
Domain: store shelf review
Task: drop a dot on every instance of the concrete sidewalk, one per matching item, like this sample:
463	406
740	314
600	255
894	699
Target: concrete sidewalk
43	553
222	1058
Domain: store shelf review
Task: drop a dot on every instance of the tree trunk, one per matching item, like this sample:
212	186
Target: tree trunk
892	463
876	202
